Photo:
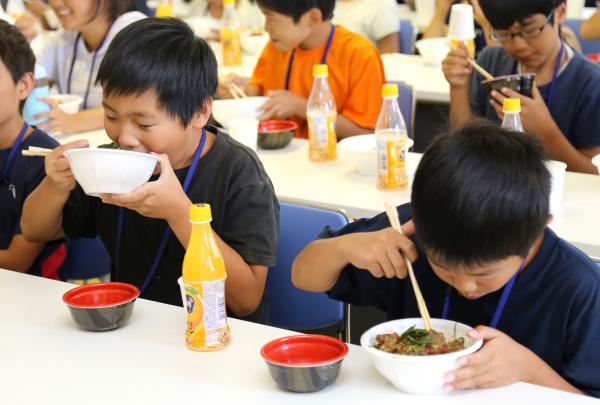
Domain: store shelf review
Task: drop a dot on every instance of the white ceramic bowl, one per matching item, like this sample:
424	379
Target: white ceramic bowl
596	161
417	374
69	103
433	50
252	42
225	110
110	170
360	151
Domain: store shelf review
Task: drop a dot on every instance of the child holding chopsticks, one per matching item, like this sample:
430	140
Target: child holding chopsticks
483	256
20	175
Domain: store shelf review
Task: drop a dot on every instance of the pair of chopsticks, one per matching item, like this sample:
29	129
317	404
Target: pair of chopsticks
36	151
235	90
481	70
392	214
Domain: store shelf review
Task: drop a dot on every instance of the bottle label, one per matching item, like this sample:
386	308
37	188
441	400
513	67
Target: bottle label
321	135
391	162
232	51
206	314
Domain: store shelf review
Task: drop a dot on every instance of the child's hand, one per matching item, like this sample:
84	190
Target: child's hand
224	90
501	361
535	116
58	170
456	67
282	104
379	252
163	198
59	122
29	26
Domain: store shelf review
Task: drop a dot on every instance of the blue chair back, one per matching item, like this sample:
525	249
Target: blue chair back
587	46
407	101
86	259
290	307
407	35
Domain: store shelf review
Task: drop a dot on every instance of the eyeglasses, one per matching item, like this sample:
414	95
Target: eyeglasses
525	34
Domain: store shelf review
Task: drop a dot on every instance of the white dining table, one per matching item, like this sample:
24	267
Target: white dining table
337	185
47	359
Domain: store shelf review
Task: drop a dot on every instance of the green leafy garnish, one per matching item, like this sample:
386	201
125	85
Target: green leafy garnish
112	145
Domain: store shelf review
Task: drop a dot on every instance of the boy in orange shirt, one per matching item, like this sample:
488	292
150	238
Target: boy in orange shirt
302	35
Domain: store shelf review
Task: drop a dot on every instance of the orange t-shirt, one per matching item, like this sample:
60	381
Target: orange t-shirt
355	76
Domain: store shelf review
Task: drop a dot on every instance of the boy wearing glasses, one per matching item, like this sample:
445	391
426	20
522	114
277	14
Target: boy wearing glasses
563	109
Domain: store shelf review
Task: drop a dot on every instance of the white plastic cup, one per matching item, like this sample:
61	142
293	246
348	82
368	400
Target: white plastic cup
425	10
575	9
244	130
557	171
462	24
596	162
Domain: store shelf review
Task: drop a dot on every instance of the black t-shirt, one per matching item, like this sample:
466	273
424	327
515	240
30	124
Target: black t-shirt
553	308
24	176
244	209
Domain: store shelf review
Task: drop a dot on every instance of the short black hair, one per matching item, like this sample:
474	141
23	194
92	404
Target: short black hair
297	8
480	195
163	56
502	14
15	53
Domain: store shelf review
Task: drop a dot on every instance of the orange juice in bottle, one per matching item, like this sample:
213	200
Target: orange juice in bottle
390	134
230	35
164	9
321	114
203	280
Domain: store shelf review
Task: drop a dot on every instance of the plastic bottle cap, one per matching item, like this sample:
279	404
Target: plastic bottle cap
390	90
229	2
200	213
320	71
511	105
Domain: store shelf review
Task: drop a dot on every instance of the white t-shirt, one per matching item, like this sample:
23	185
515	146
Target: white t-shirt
373	19
57	57
250	16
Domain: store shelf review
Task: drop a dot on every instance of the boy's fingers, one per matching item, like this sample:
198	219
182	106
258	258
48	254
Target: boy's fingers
408	228
398	263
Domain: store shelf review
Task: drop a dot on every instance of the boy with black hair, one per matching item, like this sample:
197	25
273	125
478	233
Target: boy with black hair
157	80
302	35
483	256
19	174
563	111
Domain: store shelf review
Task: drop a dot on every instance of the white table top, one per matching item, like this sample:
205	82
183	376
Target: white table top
48	359
428	81
337	185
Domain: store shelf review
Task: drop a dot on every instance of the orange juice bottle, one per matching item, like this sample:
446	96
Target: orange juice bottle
390	133
321	114
230	35
164	9
203	279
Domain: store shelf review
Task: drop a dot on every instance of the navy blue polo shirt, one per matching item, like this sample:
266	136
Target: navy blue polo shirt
24	176
575	104
553	309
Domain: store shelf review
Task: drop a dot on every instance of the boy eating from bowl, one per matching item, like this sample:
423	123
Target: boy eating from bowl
483	256
157	80
20	174
563	111
302	35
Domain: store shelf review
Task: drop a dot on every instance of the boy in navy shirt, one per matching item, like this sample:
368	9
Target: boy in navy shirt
158	79
20	175
477	227
563	111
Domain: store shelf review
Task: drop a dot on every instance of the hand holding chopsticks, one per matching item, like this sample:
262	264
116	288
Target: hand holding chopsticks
392	214
36	151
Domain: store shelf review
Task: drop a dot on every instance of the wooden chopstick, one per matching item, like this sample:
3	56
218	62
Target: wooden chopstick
36	151
484	73
237	89
392	214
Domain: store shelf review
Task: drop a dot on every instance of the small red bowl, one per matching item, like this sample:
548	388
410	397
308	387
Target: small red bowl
594	57
276	134
304	363
102	306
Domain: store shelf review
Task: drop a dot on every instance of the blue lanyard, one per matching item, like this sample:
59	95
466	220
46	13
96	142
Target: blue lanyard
167	232
89	82
323	58
11	155
501	304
